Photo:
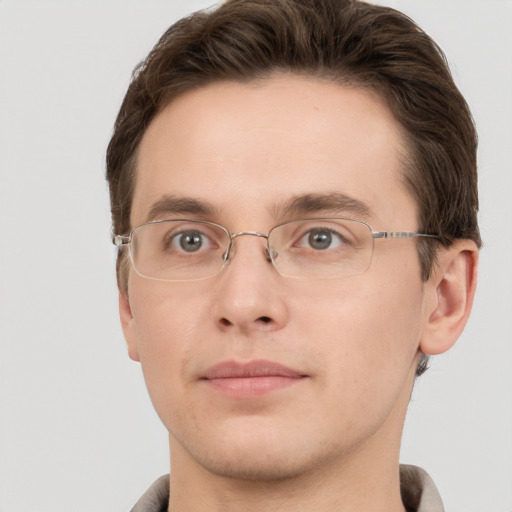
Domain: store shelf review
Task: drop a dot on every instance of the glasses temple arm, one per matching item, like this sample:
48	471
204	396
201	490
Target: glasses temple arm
402	234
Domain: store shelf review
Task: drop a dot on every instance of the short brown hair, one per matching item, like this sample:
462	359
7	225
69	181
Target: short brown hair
345	41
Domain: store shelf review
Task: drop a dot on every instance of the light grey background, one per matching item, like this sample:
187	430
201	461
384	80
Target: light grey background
77	430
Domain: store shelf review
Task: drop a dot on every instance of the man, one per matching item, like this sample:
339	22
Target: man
293	189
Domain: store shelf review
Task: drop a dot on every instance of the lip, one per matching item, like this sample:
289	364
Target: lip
252	379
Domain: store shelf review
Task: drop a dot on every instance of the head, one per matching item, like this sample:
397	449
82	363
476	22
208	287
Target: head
267	49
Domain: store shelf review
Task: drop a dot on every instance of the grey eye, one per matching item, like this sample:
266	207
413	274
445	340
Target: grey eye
321	239
188	241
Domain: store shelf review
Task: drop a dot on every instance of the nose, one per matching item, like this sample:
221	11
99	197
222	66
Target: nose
250	296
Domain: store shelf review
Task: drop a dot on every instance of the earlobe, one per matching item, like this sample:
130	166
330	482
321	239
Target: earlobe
451	291
128	326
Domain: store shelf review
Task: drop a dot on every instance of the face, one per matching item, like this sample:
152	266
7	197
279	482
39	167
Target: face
255	374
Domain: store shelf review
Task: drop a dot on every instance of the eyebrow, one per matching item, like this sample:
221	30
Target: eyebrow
179	205
332	202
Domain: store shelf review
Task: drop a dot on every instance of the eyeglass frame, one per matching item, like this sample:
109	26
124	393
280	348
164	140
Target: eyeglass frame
121	241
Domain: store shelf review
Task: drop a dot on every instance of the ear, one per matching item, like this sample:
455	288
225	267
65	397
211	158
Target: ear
128	325
451	290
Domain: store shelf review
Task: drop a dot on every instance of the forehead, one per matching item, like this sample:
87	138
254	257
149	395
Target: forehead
249	148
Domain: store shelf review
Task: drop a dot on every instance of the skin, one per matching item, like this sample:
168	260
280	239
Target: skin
331	440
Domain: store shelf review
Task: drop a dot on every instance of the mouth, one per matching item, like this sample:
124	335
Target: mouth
252	379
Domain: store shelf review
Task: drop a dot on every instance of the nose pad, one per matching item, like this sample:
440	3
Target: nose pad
227	256
270	257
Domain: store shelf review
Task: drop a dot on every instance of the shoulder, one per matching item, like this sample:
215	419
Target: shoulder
419	493
156	498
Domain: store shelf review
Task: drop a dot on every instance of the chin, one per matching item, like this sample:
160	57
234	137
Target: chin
260	455
248	466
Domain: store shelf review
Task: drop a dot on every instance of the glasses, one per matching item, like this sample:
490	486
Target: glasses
192	250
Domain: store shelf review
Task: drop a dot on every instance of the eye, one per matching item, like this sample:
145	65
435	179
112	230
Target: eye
189	241
321	239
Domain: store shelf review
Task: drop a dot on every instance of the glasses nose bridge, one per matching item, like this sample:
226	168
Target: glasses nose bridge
251	233
248	233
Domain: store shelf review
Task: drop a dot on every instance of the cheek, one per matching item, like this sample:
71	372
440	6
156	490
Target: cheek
164	312
169	326
368	331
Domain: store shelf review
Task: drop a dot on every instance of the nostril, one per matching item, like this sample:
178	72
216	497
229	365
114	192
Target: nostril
265	319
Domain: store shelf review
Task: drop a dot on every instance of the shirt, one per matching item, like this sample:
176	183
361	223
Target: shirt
419	493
